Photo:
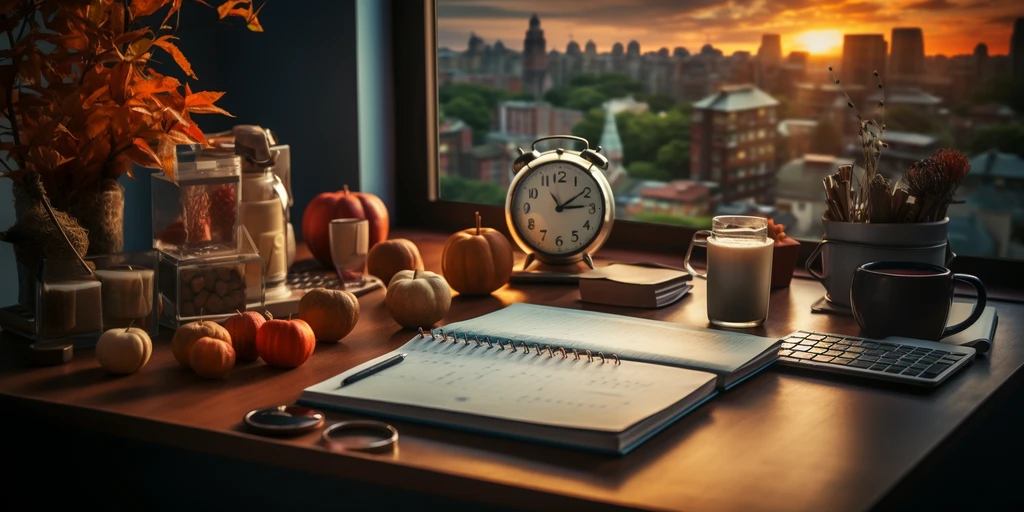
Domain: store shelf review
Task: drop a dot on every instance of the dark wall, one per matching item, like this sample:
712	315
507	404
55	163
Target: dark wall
297	78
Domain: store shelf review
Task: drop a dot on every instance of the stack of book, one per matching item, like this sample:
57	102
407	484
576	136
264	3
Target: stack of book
643	286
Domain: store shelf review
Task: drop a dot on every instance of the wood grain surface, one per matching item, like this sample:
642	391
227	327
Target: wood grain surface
783	440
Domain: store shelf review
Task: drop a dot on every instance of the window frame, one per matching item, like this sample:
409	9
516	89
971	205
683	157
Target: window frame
417	196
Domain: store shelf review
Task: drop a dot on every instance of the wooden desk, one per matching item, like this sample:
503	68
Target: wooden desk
784	440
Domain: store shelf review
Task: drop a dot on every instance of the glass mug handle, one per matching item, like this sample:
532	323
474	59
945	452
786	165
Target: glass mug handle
703	242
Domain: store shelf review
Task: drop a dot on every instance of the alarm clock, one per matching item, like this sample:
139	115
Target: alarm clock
560	207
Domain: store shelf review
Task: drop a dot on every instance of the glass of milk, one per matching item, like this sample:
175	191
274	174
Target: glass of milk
739	269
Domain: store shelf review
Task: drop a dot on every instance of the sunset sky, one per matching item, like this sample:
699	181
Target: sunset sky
950	26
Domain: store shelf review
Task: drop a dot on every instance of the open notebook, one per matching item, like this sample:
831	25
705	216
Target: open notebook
538	388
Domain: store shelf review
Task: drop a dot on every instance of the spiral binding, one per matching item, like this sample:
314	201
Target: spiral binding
535	349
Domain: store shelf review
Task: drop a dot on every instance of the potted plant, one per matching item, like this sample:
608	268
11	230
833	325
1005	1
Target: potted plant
81	106
868	218
784	254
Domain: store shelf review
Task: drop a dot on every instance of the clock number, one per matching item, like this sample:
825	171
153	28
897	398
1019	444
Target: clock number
530	225
586	224
526	208
534	193
575	236
543	234
586	192
560	177
593	208
545	180
575	180
558	241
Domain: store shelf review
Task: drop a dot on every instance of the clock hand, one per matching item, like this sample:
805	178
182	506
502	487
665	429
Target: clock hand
558	207
572	206
573	199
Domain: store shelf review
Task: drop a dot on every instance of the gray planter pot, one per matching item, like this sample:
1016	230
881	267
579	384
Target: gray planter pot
848	245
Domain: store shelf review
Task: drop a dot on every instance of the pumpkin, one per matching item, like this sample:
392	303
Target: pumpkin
392	256
332	314
212	358
325	207
124	351
285	343
242	328
477	261
186	336
418	298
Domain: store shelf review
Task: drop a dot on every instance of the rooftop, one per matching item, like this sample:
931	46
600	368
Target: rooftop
787	124
682	191
800	178
734	98
908	138
995	164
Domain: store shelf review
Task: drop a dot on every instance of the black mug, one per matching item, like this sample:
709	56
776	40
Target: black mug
897	298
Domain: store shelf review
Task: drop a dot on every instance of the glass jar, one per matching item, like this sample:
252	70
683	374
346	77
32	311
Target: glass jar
197	211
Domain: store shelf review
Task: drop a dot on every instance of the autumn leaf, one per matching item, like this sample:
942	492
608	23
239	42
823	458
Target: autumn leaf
145	7
203	103
165	43
230	8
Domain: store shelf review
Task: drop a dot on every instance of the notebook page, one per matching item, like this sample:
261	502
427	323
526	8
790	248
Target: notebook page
638	339
517	386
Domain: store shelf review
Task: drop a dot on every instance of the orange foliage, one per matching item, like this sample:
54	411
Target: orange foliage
776	231
82	103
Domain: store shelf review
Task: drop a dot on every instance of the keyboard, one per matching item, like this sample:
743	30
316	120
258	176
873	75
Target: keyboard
902	360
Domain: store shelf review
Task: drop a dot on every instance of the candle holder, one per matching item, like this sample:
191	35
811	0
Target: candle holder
79	303
196	283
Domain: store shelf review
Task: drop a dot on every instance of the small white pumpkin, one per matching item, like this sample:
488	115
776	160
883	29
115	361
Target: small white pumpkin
418	298
124	351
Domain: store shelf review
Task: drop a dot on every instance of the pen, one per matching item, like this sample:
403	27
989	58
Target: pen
383	365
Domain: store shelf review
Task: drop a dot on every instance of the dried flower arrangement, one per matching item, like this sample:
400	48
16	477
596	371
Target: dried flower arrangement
776	232
923	194
82	103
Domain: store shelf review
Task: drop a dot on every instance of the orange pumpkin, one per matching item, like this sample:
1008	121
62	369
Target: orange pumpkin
391	257
212	358
343	204
187	335
477	261
242	328
332	314
285	343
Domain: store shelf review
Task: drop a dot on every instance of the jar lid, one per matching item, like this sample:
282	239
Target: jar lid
209	166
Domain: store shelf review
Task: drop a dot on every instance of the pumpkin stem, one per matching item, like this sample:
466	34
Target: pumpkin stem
345	188
477	223
130	324
268	315
415	274
200	316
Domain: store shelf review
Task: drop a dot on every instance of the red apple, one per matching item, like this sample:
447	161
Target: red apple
242	328
325	207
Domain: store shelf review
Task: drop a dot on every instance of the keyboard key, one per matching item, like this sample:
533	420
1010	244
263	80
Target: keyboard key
854	348
894	369
822	358
870	359
794	339
899	367
869	344
832	339
802	355
799	334
929	359
938	367
855	342
834	353
911	372
809	343
928	375
939	352
887	346
840	346
861	364
842	360
878	367
823	344
886	360
874	352
784	353
817	350
816	337
947	360
954	355
801	348
787	345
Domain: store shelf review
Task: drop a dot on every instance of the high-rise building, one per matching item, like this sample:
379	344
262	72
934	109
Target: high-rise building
863	54
732	142
535	60
1017	49
906	62
611	145
770	51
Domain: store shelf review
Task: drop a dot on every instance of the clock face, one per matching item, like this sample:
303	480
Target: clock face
558	209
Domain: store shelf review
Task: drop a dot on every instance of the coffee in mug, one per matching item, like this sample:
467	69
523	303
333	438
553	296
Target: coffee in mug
900	298
739	269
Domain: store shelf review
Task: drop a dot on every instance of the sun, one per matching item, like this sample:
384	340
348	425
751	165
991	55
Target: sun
820	42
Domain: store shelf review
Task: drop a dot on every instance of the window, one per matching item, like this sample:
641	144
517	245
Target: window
966	100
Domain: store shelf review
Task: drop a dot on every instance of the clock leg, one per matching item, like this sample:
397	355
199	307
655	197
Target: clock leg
529	259
588	260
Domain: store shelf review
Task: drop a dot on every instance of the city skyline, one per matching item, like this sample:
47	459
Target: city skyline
804	25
